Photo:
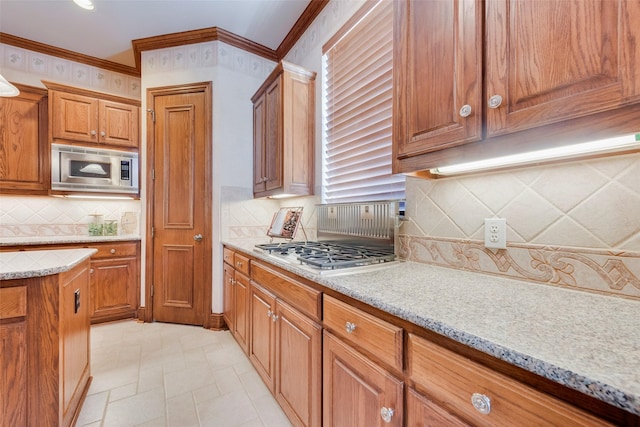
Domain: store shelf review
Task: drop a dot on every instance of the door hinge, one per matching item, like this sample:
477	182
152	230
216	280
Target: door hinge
153	114
153	174
153	232
151	290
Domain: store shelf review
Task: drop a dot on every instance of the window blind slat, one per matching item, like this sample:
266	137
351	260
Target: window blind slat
358	106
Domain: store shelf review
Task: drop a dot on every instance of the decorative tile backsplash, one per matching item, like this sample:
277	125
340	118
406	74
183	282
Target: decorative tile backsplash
574	224
54	216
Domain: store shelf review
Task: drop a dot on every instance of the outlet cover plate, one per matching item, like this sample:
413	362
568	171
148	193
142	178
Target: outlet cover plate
495	233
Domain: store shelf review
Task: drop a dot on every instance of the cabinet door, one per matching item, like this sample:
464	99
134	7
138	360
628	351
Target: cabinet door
421	412
273	136
554	60
113	288
119	124
24	149
259	139
298	365
74	117
437	72
229	298
356	391
241	310
262	337
74	338
13	374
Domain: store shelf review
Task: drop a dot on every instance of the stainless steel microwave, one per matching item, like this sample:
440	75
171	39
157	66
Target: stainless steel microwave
85	169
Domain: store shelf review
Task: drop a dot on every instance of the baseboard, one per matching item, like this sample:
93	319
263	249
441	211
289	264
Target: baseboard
216	322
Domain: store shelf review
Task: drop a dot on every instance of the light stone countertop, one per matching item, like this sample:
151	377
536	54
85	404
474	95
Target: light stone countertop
25	264
585	341
48	240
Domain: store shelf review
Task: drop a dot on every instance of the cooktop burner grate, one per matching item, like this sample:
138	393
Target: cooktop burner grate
329	255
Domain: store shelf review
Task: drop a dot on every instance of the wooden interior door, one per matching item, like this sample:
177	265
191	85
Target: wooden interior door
181	204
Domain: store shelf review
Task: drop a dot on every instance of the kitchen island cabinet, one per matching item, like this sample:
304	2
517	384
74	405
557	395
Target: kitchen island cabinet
24	149
477	324
537	74
44	330
284	132
78	115
115	275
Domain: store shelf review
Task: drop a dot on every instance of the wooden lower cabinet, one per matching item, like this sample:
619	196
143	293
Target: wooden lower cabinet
13	356
44	348
358	392
236	305
422	412
114	287
262	342
298	373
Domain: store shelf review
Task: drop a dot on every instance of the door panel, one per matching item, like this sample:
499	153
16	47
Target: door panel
262	348
181	208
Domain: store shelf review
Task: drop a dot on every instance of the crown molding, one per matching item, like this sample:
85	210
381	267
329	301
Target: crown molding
304	21
178	39
199	36
68	54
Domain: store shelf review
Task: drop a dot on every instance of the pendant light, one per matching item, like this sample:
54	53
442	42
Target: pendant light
7	89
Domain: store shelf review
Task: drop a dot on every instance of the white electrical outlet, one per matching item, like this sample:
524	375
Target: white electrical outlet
366	212
495	233
332	212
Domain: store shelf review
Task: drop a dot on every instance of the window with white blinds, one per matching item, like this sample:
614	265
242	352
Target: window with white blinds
358	103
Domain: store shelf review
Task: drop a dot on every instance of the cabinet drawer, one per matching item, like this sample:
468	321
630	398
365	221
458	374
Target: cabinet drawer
13	302
453	381
241	263
380	338
299	295
227	256
114	250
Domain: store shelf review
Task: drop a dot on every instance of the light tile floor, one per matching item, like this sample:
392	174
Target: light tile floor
159	374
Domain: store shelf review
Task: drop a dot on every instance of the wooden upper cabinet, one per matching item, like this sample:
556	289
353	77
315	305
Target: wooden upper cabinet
24	151
468	73
284	132
437	75
555	60
89	117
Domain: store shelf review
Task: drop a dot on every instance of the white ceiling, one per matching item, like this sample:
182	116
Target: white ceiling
107	31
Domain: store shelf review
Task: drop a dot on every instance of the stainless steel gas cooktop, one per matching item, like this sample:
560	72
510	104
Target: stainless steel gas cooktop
326	257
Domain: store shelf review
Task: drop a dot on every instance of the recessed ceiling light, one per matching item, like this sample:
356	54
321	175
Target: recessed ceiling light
85	4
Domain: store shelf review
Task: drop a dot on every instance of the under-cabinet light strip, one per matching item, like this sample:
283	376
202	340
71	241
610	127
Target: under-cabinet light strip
602	146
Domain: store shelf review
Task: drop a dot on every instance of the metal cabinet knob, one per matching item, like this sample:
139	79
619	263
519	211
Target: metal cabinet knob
112	251
197	237
481	402
350	327
103	134
93	133
239	263
386	414
92	271
269	313
495	101
465	111
275	318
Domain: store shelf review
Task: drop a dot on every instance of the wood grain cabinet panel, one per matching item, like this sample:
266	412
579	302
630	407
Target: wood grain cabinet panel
467	71
82	116
284	132
24	150
356	391
262	337
237	296
421	412
115	281
13	374
482	396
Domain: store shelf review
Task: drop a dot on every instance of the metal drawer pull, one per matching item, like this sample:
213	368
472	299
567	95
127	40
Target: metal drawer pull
386	414
481	402
275	317
465	111
495	101
239	263
269	313
350	327
113	251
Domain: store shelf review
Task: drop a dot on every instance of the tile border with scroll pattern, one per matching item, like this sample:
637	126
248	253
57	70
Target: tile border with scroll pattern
602	271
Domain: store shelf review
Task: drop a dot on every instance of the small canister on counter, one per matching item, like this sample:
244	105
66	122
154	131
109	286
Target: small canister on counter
96	225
